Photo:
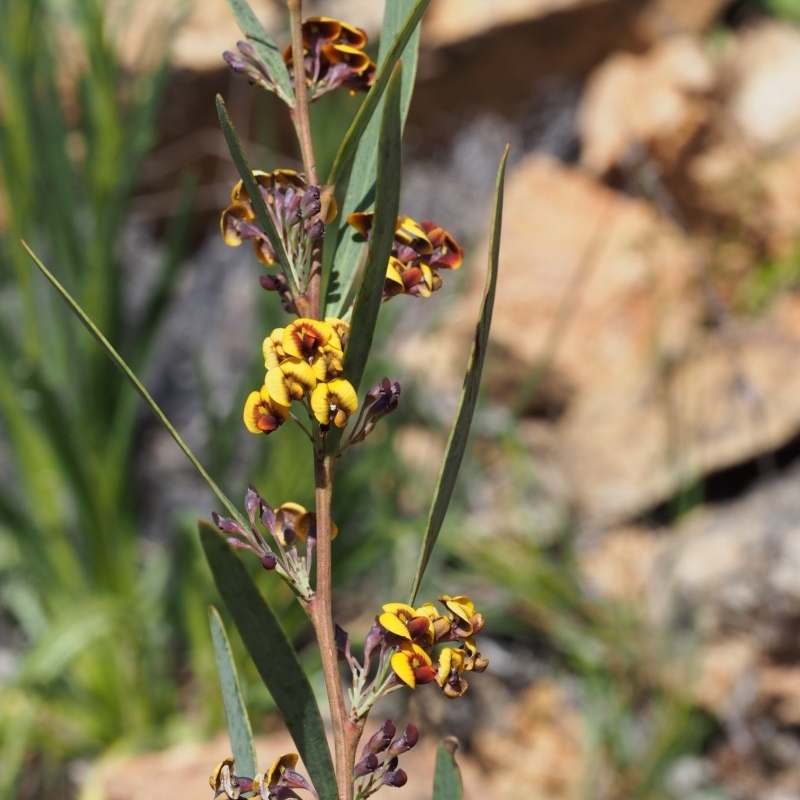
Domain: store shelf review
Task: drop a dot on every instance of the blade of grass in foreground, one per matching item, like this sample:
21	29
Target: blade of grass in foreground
239	730
137	384
457	442
275	659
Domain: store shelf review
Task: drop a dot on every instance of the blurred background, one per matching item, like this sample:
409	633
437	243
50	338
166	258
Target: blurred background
628	515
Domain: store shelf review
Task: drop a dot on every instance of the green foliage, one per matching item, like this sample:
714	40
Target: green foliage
85	598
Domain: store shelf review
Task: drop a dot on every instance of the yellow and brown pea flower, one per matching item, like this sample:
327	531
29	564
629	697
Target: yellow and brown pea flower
334	56
304	362
419	251
279	781
415	633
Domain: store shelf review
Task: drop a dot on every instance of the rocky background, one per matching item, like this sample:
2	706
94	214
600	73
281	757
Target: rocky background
646	330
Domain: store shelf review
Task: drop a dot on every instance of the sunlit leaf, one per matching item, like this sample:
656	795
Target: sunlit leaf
368	301
399	38
457	442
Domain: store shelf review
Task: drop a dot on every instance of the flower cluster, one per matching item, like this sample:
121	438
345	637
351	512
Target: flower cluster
419	251
293	207
378	765
415	646
417	631
333	52
278	783
304	363
288	525
334	56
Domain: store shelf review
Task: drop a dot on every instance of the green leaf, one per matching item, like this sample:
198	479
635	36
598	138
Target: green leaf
446	775
254	193
239	730
265	48
399	37
387	199
457	442
137	384
275	659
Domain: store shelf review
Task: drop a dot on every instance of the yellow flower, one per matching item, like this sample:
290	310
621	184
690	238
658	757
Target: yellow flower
448	673
334	402
304	338
291	380
292	521
261	414
413	665
419	251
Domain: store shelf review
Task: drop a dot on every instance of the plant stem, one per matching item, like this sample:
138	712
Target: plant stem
299	112
302	125
346	734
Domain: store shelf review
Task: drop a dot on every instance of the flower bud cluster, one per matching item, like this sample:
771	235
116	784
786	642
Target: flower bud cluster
378	765
293	207
333	55
419	251
289	525
278	783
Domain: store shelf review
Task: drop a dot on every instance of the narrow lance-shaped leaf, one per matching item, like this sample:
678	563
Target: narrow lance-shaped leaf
399	37
265	48
239	730
446	775
254	193
134	380
457	441
387	199
274	657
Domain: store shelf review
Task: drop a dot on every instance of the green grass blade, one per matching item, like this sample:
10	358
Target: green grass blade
457	442
254	193
399	37
239	730
368	301
446	775
137	384
265	48
274	657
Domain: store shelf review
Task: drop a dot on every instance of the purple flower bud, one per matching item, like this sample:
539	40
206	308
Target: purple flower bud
405	742
245	48
367	765
380	740
252	502
316	229
395	778
269	561
310	204
228	525
375	638
342	641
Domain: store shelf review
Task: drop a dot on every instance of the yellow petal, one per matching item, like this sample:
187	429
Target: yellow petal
401	664
395	625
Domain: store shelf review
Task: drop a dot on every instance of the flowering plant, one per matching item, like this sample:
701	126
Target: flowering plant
331	284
